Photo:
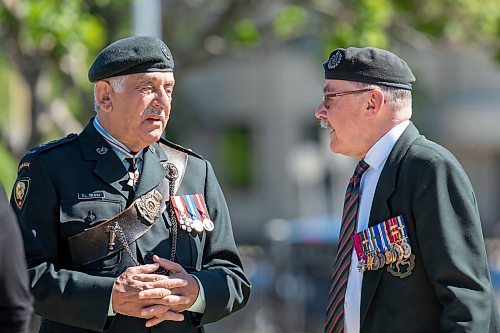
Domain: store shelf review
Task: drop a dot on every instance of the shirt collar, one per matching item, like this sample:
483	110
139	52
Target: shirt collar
379	152
120	149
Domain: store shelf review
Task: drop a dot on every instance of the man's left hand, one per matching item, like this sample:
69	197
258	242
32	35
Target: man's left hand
166	303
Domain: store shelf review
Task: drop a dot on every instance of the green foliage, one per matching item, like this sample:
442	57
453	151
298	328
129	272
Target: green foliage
54	27
366	25
4	93
8	168
290	22
246	33
375	22
457	20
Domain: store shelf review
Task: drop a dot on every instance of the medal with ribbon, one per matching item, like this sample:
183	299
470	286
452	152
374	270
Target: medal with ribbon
192	213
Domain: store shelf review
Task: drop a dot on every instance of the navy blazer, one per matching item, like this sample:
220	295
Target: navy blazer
449	289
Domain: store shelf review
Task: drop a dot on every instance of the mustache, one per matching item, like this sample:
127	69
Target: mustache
154	111
324	124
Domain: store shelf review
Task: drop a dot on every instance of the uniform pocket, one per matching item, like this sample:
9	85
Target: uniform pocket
190	250
77	215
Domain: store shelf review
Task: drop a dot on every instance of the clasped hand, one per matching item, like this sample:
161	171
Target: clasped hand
139	292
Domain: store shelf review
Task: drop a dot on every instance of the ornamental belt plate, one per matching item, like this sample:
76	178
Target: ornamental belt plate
149	206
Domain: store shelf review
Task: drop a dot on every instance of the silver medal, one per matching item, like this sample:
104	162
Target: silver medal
208	225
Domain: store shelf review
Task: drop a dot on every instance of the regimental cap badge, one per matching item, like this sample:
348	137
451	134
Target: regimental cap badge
21	189
335	60
165	51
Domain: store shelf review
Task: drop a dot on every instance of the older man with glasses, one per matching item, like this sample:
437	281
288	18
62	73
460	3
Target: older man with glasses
411	254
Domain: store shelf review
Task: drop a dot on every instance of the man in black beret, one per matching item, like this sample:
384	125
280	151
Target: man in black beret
411	254
125	231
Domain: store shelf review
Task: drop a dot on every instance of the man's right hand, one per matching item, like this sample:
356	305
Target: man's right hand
125	293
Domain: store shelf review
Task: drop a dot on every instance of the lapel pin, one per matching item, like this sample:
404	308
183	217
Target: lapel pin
101	151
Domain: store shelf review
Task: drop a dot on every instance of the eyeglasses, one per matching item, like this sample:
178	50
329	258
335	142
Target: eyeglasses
327	97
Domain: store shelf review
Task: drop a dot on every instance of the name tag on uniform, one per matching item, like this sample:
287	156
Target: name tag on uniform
93	195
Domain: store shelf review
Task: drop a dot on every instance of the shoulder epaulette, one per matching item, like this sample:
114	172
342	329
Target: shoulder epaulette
179	147
49	145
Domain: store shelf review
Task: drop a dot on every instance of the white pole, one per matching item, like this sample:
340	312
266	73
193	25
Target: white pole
147	18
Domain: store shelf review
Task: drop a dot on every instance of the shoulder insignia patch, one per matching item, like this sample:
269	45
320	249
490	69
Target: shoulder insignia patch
21	189
52	144
179	147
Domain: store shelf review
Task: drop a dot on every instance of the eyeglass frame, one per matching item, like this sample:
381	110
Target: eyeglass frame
328	96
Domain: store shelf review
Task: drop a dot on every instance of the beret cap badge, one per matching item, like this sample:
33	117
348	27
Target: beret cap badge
335	60
165	51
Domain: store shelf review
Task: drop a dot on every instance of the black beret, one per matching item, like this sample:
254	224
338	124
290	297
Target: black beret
132	55
369	65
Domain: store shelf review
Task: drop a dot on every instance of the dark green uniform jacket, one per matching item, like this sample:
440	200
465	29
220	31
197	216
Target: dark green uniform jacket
449	289
52	204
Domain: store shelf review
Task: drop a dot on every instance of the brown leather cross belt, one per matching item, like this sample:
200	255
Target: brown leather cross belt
107	238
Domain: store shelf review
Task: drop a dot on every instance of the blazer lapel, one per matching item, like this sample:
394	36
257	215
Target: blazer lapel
152	171
108	166
381	209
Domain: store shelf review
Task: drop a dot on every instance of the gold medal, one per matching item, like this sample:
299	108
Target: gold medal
369	262
388	257
400	252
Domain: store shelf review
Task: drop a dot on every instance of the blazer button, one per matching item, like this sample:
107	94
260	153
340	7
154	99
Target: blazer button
90	216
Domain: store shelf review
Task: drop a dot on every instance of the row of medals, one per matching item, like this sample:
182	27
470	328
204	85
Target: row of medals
398	253
189	224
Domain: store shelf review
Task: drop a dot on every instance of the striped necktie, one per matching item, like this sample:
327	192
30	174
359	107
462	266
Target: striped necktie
335	308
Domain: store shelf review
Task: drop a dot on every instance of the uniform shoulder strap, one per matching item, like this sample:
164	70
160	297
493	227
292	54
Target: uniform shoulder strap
52	144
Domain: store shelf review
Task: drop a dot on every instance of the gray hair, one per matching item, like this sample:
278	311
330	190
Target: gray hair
398	99
117	83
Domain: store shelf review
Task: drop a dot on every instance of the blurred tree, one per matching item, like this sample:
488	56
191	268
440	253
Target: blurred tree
202	29
49	44
46	45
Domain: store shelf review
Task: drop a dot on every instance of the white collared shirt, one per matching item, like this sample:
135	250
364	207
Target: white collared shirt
376	158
